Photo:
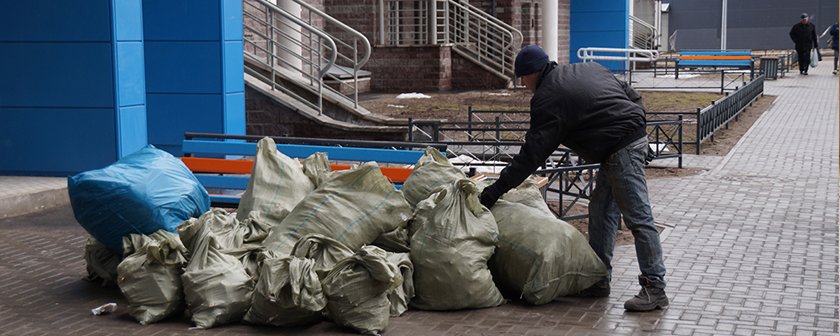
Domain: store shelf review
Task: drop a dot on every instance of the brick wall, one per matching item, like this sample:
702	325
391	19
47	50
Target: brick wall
563	33
467	75
265	116
410	68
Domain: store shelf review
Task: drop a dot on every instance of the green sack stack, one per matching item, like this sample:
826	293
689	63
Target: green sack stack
217	288
352	206
277	182
289	291
539	256
150	275
357	290
453	237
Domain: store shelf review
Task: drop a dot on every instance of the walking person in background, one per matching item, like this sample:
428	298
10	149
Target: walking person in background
804	36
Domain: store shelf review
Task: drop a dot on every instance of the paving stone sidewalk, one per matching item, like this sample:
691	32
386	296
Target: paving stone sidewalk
753	252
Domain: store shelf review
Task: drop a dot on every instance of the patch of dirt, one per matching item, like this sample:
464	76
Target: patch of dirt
451	106
660	172
671	101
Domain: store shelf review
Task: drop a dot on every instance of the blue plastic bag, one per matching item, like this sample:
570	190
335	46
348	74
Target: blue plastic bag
146	191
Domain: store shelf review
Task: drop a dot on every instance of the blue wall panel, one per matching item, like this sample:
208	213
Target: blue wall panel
235	122
56	141
132	129
72	87
234	81
131	82
232	14
183	67
32	75
128	20
183	20
55	20
194	69
175	114
599	24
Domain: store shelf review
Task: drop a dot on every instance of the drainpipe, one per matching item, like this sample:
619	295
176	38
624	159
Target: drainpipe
549	28
493	8
288	54
723	19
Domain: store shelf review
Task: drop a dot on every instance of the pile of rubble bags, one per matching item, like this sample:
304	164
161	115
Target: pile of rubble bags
308	244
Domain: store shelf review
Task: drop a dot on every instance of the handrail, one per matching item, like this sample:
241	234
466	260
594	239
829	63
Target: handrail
642	22
285	49
365	42
332	47
631	55
643	39
502	64
474	34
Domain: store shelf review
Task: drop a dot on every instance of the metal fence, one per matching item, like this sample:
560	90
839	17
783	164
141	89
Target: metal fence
717	115
497	136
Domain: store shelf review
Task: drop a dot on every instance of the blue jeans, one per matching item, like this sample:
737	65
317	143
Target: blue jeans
620	188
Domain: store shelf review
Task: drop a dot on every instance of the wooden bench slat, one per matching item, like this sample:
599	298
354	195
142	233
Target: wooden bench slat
715	63
717	52
210	165
717	58
223	182
302	151
222	166
217	200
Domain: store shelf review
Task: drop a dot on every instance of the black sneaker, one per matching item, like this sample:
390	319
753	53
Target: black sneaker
649	298
598	290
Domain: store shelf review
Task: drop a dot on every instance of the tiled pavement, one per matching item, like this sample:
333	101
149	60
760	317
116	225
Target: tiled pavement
753	252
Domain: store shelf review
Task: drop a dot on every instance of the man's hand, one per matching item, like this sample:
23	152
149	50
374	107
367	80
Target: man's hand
489	196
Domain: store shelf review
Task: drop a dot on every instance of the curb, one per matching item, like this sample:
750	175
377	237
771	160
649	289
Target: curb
34	202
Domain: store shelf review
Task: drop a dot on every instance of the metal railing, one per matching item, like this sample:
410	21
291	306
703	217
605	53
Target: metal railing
710	119
297	56
590	54
473	34
497	136
642	34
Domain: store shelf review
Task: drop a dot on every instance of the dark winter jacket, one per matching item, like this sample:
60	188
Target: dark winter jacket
804	36
833	33
582	106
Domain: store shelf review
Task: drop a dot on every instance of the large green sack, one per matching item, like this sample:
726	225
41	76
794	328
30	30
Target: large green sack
395	241
101	263
242	240
277	182
317	168
353	206
402	295
216	287
431	173
150	275
289	291
453	237
357	290
539	256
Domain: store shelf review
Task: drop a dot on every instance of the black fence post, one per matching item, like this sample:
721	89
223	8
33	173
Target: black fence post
469	122
498	135
721	81
410	129
680	141
697	133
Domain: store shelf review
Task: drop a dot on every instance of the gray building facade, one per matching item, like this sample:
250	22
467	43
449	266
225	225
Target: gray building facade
752	24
